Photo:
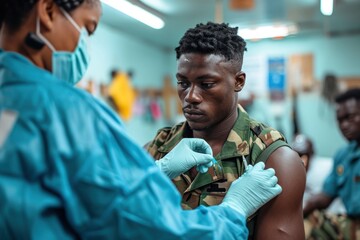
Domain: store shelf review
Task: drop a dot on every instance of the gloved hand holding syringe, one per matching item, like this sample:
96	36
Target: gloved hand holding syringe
246	194
253	189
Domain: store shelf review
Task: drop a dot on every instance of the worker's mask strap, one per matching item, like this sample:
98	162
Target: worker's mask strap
39	34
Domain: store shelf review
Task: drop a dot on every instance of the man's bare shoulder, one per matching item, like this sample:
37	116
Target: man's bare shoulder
274	217
289	169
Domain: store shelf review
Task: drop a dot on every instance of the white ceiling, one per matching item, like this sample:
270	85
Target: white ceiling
179	15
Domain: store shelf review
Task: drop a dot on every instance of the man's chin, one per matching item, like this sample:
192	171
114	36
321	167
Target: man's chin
351	138
197	126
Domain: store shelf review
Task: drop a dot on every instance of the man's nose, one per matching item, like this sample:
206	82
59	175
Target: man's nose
193	95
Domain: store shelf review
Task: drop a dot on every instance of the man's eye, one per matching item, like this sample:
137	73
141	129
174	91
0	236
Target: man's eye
182	84
207	85
351	117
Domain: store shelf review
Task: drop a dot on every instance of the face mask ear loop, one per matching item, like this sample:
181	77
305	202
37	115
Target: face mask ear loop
38	33
71	20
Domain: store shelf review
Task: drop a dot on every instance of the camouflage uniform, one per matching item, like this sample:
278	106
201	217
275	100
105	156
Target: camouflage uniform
252	139
324	226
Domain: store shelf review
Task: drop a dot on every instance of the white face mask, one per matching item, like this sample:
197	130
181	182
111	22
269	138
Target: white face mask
69	66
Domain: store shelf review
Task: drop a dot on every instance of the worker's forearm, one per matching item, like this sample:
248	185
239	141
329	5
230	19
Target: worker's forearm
319	201
309	208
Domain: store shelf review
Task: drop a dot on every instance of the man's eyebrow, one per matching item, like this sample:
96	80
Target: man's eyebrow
205	76
202	77
180	75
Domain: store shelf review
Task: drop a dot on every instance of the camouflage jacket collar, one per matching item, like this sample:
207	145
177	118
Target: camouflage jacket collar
240	128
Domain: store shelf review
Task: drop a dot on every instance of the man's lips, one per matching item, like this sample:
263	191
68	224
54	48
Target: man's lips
193	114
348	133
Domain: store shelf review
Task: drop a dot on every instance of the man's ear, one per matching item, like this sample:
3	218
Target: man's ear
239	81
47	10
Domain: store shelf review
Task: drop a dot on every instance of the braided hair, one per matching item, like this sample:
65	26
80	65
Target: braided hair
213	38
14	12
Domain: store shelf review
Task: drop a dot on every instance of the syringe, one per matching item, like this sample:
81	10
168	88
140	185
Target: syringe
245	162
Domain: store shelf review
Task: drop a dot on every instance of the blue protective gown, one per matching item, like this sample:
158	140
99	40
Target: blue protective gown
68	170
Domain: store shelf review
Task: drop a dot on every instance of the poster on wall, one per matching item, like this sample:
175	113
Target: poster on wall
276	78
300	75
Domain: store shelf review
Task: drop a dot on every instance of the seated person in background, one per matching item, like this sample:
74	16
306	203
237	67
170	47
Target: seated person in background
209	75
304	147
344	178
317	168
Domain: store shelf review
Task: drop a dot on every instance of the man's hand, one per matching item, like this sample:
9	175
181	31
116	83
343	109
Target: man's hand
252	190
189	152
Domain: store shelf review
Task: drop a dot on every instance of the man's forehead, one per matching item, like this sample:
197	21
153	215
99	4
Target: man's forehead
202	56
350	105
186	59
197	60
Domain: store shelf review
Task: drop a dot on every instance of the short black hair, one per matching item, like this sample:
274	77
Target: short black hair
213	38
353	93
130	73
14	12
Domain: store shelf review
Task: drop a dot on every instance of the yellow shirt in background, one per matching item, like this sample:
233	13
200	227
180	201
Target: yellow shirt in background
123	95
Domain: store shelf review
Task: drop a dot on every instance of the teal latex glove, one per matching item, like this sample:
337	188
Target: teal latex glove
189	152
252	190
203	168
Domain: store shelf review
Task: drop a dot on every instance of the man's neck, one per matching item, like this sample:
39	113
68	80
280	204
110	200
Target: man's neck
358	143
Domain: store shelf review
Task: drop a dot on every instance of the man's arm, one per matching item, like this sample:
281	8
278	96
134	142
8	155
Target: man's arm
318	201
325	198
282	217
328	193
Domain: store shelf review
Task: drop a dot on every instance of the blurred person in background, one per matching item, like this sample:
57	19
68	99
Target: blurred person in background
122	94
317	168
304	147
344	178
330	88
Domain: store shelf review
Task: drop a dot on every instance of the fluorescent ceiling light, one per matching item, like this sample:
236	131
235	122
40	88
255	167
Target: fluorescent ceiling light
326	7
136	12
268	31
